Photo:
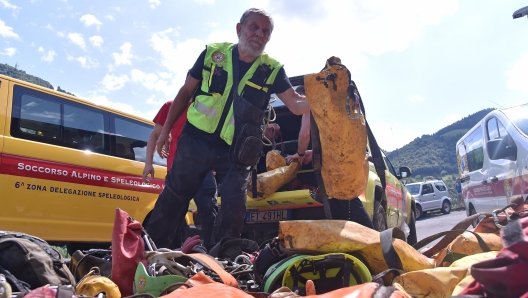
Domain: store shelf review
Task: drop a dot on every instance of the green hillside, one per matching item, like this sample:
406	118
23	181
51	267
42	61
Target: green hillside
16	73
433	156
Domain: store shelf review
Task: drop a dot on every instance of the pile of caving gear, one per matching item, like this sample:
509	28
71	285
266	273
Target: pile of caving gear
320	258
308	258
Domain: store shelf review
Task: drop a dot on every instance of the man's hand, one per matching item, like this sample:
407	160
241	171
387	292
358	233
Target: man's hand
162	144
148	169
305	159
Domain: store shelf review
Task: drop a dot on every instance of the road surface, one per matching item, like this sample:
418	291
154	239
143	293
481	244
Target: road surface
438	222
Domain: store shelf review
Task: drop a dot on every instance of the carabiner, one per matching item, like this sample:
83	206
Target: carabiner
355	106
495	216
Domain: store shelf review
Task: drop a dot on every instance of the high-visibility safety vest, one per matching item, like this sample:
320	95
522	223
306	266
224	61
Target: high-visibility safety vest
217	80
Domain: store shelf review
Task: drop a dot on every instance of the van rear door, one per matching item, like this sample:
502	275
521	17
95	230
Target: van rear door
475	162
502	171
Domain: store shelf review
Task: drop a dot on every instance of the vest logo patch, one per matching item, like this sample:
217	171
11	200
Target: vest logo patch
218	57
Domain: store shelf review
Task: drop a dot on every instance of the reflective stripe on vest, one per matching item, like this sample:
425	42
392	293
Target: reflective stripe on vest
206	110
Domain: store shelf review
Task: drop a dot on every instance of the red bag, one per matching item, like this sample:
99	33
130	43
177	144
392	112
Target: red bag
128	248
504	276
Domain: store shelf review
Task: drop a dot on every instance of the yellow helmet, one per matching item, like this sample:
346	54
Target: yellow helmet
92	284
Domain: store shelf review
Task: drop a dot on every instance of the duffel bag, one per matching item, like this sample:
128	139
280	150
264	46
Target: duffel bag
440	281
31	260
337	236
334	102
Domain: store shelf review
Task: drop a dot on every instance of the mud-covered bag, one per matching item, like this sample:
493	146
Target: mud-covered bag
33	261
269	182
342	130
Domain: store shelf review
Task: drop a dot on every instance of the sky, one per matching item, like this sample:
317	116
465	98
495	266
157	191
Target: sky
419	65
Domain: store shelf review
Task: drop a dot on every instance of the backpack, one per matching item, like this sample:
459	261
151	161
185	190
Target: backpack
32	261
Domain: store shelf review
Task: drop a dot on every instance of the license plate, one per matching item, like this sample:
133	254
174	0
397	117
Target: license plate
268	216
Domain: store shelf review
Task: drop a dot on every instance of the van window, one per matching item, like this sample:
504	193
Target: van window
84	129
414	189
40	117
496	129
472	145
440	186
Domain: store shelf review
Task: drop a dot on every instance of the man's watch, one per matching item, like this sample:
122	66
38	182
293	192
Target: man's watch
301	155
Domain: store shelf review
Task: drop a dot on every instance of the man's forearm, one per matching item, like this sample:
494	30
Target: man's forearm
304	134
176	110
151	143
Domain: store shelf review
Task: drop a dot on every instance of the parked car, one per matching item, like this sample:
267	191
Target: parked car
430	195
392	207
493	160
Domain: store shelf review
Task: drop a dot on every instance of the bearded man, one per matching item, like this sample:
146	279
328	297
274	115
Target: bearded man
231	85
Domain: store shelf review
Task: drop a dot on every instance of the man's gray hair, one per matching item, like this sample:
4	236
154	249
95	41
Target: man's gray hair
259	11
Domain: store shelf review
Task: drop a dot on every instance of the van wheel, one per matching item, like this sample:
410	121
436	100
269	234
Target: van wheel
418	213
379	220
446	207
412	238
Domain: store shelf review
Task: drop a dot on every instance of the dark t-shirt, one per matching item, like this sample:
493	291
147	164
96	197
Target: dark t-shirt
281	84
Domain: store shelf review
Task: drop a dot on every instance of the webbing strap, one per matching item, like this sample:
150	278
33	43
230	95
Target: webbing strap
451	235
389	253
317	161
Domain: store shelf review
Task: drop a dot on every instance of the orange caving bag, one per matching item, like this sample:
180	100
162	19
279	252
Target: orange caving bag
342	130
440	281
333	236
202	286
269	182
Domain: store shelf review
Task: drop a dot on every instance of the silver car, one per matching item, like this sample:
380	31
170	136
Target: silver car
430	195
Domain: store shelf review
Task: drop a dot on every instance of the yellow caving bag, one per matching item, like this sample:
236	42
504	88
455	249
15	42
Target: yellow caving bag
269	182
342	131
466	244
340	236
274	160
440	281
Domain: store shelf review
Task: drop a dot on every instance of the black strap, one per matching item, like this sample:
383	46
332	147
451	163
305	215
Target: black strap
389	253
254	183
378	277
377	158
234	89
317	162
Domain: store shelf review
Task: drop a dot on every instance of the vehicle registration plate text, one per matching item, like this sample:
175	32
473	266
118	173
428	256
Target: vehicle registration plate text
267	216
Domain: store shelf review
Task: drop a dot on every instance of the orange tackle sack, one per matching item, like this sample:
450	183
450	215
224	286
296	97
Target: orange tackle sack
335	106
269	182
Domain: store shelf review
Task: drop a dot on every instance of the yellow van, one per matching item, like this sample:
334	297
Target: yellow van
67	164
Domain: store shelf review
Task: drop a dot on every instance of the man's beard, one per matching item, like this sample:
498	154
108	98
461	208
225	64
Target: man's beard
246	47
